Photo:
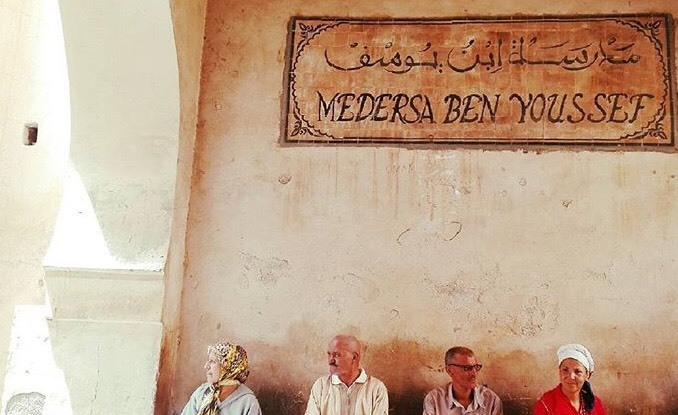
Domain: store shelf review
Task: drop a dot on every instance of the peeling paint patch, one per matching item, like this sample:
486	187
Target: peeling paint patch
598	276
451	289
536	316
364	287
26	403
266	270
428	232
352	286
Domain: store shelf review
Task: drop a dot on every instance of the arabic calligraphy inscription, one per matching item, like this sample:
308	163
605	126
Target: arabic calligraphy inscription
591	81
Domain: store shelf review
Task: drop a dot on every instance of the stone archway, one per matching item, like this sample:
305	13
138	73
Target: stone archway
106	266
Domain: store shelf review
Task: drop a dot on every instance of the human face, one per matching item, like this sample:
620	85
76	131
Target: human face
212	369
342	361
572	375
461	378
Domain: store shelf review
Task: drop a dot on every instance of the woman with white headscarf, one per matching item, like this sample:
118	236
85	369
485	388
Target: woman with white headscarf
224	393
573	396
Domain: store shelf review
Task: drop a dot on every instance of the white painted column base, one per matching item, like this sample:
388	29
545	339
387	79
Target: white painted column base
106	334
109	367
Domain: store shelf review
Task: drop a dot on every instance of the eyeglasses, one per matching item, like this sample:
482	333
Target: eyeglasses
467	368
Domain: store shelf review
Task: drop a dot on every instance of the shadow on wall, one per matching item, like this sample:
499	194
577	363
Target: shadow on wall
283	373
289	401
403	365
281	400
409	369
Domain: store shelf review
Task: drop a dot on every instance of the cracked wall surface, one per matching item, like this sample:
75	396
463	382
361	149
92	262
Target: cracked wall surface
415	250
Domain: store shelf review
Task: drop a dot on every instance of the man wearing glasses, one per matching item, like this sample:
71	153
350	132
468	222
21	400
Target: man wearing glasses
463	395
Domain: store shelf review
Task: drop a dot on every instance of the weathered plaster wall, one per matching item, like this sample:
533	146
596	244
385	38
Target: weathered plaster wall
188	19
33	88
512	253
104	266
124	97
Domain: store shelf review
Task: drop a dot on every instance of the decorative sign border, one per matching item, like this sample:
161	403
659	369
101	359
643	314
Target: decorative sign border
471	81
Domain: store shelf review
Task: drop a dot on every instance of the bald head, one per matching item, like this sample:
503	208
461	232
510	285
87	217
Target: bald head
343	357
348	342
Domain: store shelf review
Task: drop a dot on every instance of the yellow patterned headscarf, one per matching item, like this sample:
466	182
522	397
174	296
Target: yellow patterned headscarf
233	371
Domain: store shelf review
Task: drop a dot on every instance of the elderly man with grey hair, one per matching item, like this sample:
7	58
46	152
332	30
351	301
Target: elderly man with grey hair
462	395
348	390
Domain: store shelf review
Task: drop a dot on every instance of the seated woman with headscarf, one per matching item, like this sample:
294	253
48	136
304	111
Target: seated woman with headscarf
224	393
573	396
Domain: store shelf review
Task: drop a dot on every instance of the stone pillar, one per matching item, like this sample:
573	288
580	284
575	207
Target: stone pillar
105	334
104	269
